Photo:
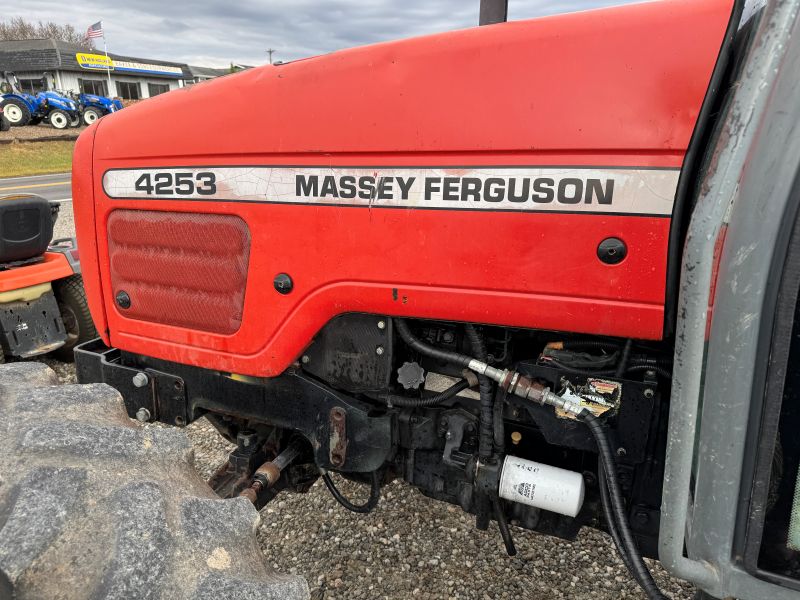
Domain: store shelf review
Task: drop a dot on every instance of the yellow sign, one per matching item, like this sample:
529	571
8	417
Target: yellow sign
94	61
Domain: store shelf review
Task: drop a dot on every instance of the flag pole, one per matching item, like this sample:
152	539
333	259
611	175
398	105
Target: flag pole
108	63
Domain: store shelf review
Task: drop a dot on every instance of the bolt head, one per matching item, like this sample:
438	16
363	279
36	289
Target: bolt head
381	324
379	350
612	251
621	451
143	415
305	359
140	380
649	393
283	283
122	299
448	435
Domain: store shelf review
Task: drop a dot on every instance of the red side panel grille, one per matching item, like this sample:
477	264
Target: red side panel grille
183	269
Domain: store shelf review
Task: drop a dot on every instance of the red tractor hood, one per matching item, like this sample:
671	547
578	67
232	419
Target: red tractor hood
467	176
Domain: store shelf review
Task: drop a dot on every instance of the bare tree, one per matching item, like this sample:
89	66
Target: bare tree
20	29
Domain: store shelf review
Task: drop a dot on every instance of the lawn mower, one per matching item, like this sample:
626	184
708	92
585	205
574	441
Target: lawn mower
42	304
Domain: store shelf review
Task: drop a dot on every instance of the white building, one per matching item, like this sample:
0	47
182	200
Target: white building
72	68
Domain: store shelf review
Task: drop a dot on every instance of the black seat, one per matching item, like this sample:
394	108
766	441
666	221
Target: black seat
26	227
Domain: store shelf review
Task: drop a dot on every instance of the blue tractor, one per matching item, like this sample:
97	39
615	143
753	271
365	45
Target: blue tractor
51	107
93	107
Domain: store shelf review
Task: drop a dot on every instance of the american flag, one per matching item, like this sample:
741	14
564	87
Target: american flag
95	31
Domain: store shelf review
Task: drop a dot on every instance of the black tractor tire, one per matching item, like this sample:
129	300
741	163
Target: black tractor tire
5	124
24	112
75	120
35	121
95	505
74	309
59	119
91	114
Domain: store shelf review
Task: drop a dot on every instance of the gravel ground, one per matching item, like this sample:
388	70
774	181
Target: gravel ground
65	224
414	547
35	132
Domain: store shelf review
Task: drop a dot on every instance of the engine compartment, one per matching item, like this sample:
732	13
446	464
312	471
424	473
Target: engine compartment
364	402
436	443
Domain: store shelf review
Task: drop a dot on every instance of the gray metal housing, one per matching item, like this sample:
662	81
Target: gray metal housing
747	187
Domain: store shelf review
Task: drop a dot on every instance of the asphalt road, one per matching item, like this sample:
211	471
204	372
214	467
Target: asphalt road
51	187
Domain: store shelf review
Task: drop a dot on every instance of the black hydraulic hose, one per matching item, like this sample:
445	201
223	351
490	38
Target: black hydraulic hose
404	402
664	363
486	421
623	360
605	502
613	529
414	343
637	566
647	367
636	366
486	433
499	423
368	506
505	532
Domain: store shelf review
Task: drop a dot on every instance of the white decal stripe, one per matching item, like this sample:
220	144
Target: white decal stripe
536	189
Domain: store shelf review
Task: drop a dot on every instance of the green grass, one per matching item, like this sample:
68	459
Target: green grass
35	158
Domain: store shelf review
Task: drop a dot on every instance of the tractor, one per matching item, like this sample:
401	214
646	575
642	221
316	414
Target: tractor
93	107
545	271
46	106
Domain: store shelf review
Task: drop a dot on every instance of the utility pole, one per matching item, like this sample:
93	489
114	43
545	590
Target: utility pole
270	51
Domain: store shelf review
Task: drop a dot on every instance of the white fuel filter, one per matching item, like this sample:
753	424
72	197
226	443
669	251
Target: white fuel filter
542	486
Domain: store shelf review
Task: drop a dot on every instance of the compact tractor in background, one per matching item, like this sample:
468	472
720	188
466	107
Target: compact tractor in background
47	106
92	106
546	271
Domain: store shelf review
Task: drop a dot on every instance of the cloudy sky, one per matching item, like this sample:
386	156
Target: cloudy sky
218	32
